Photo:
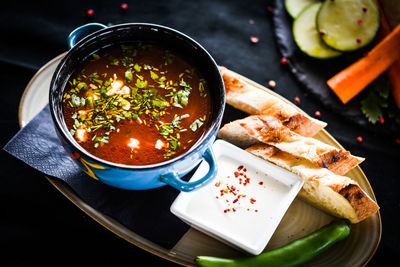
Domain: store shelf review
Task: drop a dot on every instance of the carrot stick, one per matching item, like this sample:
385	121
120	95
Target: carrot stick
352	80
394	69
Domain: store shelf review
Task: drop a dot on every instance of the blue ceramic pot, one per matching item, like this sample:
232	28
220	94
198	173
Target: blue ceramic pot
89	38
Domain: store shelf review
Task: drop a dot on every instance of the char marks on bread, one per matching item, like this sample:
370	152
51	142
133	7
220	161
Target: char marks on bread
270	130
246	97
335	194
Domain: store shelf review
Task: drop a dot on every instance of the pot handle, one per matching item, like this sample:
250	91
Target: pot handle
173	179
83	31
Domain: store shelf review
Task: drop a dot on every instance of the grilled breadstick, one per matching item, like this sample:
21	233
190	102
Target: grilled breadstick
269	130
335	194
248	98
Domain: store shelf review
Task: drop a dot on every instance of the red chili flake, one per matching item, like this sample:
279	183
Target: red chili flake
248	209
255	210
359	139
260	183
358	40
90	12
235	200
217	184
252	200
234	210
124	6
317	114
283	61
296	100
216	197
381	120
240	167
226	210
254	39
360	21
245	170
236	174
251	21
270	9
397	141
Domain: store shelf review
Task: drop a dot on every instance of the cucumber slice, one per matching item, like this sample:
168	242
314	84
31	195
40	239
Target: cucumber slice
307	37
294	7
348	24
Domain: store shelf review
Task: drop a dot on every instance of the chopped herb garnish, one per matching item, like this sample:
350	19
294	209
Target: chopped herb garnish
137	68
77	101
127	61
141	84
169	58
153	75
197	124
125	91
95	56
129	75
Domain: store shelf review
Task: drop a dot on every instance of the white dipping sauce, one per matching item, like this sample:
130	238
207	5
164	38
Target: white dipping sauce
242	205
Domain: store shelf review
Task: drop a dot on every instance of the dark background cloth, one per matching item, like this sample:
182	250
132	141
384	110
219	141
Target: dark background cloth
39	226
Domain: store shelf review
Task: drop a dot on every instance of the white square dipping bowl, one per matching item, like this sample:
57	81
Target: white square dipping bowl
244	204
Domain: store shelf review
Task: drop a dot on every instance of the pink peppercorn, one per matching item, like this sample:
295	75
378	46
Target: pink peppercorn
124	6
283	61
381	120
254	39
317	114
296	100
90	12
359	139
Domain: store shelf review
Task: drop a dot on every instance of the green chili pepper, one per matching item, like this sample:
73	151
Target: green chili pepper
295	253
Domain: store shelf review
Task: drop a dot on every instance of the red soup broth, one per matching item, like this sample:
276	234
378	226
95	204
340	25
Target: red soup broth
136	104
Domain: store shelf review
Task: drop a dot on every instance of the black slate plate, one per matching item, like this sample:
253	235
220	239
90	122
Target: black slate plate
312	74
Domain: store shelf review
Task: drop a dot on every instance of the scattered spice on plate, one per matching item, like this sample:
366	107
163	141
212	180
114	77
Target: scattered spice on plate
359	139
381	120
317	114
283	60
296	100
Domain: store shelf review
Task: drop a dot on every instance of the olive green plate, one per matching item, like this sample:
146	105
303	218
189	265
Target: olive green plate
299	220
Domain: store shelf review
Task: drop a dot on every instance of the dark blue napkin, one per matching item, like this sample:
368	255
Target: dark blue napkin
144	212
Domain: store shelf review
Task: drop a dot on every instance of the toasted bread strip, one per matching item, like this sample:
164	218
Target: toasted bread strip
269	130
248	98
335	194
